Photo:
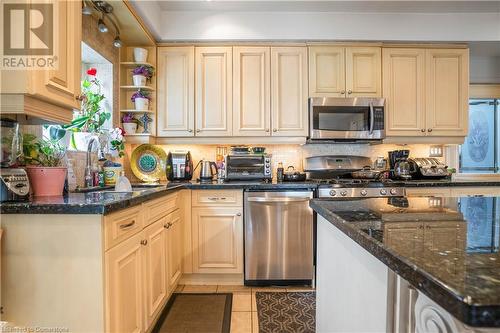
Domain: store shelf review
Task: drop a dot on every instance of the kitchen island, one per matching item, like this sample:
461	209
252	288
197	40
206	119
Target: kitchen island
420	263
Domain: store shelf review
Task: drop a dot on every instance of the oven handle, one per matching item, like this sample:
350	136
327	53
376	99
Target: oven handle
283	200
372	118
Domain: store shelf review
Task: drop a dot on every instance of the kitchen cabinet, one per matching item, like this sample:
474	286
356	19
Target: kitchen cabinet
50	94
251	91
176	91
213	96
124	286
174	249
155	269
426	91
289	81
336	71
217	240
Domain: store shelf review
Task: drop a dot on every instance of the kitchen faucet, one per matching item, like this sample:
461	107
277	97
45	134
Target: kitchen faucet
88	167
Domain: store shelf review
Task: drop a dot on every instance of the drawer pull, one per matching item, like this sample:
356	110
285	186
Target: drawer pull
238	214
144	242
128	225
167	225
212	198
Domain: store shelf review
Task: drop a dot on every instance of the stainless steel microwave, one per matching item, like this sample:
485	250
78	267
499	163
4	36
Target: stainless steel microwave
358	118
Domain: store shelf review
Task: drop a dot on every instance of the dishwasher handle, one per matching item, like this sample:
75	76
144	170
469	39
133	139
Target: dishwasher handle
278	199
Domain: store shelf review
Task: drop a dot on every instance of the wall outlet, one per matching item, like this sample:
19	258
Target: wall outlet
436	151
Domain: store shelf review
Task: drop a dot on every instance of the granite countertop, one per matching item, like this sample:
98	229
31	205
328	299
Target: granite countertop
448	248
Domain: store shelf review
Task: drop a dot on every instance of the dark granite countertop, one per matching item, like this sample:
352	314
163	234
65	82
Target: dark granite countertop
448	248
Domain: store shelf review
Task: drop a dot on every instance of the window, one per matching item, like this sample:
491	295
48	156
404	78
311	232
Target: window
480	152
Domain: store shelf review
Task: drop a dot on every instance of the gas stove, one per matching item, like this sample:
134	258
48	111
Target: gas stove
358	188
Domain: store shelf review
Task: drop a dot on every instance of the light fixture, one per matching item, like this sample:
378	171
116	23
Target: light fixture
86	10
101	26
117	42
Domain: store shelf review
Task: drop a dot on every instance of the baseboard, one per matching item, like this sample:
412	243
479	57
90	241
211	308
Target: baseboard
212	279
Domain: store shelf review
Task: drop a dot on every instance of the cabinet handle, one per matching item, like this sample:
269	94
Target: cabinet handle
421	227
144	242
127	225
267	130
422	130
429	130
238	214
166	225
349	91
222	198
427	227
190	130
275	130
342	92
198	131
212	198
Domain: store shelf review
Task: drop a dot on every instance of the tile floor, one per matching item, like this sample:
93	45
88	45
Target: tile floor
244	312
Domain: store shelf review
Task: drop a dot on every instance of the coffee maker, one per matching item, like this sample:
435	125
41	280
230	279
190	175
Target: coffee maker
179	166
14	183
400	167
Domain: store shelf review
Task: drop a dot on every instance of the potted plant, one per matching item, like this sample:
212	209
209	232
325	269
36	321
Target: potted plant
129	123
45	171
140	54
142	74
141	100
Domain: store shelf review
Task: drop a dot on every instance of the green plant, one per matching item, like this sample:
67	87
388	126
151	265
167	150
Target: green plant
43	152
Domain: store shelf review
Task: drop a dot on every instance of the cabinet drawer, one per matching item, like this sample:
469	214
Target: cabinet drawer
156	209
201	198
121	225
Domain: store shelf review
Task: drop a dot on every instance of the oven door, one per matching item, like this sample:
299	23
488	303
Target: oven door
245	167
346	118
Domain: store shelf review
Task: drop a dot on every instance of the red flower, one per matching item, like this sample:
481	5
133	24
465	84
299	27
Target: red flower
92	71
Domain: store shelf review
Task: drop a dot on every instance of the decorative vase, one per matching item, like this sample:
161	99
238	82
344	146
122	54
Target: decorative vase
139	80
141	104
130	128
47	181
140	54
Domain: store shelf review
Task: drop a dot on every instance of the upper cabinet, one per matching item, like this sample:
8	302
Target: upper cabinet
289	91
214	83
336	71
176	91
426	91
50	94
251	91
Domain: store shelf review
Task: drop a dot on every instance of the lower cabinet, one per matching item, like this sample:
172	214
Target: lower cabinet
142	271
217	240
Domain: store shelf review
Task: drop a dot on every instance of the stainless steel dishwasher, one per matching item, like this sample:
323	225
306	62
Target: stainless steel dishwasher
279	229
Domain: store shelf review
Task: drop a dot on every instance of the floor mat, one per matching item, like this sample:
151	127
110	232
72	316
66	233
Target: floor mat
196	313
286	312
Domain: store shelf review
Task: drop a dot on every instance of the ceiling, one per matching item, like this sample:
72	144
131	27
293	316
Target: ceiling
371	6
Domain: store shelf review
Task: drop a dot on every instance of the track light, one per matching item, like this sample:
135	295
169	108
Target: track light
101	26
117	42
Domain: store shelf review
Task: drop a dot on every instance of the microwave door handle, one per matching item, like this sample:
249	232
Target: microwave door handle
372	118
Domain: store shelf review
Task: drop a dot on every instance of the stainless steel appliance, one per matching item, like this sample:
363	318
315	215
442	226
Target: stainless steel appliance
208	170
427	167
399	166
279	232
350	119
14	185
248	167
179	166
330	172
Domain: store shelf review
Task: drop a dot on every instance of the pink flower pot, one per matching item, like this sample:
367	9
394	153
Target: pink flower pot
46	181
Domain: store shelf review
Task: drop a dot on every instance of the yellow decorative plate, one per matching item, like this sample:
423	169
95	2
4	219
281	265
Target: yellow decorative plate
149	162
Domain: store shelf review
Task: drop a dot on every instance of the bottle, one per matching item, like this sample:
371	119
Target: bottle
122	183
95	175
280	172
100	176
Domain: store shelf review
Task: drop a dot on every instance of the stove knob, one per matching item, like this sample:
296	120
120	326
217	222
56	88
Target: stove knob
383	191
343	193
333	193
393	191
363	193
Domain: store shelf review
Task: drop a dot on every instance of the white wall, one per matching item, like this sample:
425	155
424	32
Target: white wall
229	25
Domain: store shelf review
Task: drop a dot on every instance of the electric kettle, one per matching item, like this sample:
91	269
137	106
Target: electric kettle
207	170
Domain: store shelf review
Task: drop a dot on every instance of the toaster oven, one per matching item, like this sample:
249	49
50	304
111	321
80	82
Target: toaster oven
248	167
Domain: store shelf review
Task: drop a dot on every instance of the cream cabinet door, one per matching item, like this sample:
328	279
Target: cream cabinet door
124	286
326	71
155	269
217	240
175	91
447	85
214	79
404	91
174	249
363	71
289	91
61	86
251	91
